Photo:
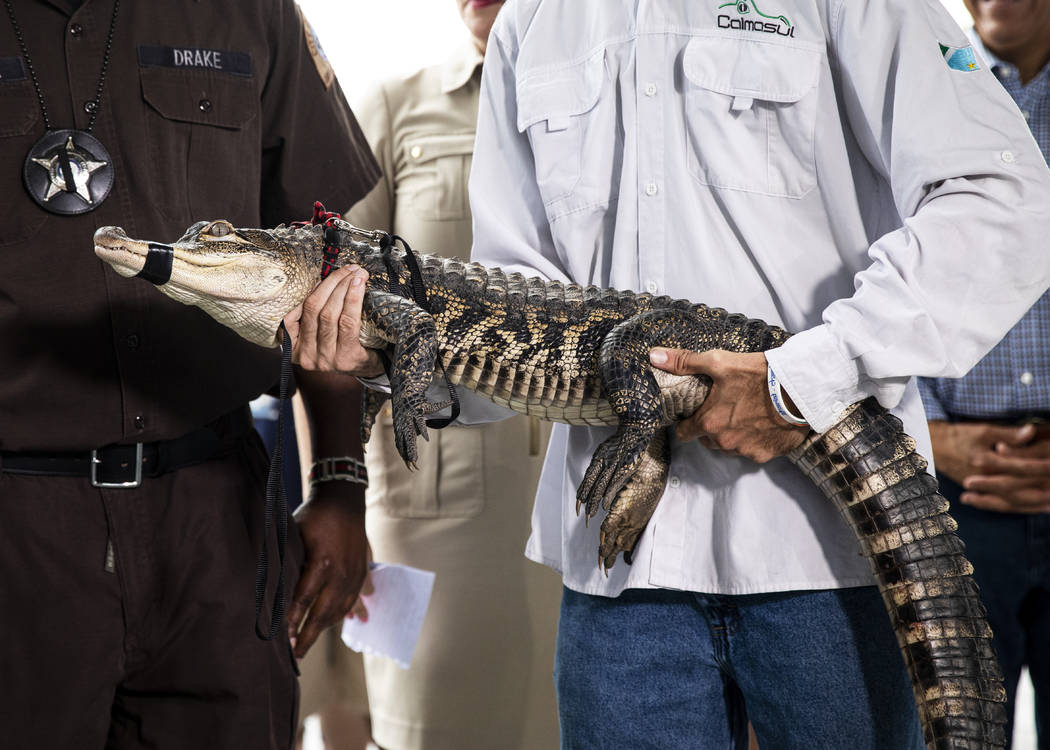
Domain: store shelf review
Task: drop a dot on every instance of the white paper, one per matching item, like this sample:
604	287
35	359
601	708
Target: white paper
395	613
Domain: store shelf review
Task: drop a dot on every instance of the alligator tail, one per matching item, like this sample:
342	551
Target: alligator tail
870	469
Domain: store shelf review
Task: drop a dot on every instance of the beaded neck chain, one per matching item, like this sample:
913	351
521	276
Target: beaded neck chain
68	171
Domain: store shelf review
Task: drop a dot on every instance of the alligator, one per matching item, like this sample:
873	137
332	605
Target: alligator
579	355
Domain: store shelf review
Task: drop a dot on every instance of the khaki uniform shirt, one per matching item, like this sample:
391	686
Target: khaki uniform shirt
424	144
250	127
490	625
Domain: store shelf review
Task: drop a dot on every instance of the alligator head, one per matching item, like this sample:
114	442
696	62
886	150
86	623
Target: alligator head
247	279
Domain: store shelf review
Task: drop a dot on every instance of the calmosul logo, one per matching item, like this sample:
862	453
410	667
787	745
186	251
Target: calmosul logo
750	18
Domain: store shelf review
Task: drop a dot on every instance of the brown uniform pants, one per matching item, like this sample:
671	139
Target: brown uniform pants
153	646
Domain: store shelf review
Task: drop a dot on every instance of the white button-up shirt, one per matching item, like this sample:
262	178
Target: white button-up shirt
818	164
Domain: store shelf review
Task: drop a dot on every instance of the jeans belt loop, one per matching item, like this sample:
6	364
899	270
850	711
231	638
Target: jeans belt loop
97	460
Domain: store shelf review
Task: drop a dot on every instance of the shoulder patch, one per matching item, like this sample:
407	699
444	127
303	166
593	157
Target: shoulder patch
324	68
960	58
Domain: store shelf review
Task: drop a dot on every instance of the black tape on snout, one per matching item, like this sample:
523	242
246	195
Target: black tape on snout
158	264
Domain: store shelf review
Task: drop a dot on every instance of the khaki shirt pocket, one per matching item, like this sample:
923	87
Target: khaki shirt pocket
20	128
432	179
449	481
203	131
750	114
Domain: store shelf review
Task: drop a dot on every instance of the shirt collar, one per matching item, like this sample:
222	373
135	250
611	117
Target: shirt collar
459	69
1000	67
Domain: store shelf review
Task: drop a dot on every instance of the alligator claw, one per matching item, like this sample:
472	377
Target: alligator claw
409	423
635	503
611	467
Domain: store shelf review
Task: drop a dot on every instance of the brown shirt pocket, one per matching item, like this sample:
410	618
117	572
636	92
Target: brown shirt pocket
20	128
203	131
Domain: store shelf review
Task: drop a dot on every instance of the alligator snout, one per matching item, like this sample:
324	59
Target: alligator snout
127	256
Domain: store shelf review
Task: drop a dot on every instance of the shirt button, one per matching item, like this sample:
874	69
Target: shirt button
650	89
76	29
651	287
205	105
1008	157
133	341
1027	114
651	189
674	483
140	422
1027	378
417	151
90	106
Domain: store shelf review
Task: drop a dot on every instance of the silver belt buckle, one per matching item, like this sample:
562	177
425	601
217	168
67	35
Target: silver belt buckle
96	461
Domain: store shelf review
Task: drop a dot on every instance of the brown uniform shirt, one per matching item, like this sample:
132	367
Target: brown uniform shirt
253	135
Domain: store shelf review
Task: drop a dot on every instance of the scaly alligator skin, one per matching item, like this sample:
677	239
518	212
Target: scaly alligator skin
580	355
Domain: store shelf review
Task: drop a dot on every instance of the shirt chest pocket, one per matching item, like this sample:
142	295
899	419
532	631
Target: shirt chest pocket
432	179
750	115
573	144
20	128
204	141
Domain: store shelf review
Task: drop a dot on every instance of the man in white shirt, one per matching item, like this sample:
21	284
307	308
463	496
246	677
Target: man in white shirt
842	168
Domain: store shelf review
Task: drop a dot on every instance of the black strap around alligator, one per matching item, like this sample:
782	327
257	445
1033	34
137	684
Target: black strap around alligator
418	293
157	269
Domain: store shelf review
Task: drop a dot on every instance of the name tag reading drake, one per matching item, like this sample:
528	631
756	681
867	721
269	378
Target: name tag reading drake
224	61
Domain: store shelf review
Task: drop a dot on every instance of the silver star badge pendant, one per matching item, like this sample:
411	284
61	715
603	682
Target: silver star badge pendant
68	172
80	165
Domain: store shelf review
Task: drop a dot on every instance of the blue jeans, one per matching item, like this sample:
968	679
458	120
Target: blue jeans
672	670
1010	553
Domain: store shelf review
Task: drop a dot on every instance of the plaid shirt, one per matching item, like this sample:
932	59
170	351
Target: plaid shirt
1013	380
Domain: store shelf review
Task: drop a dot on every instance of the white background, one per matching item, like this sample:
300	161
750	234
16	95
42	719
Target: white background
370	40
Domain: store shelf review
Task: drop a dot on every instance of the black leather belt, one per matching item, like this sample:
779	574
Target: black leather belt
124	466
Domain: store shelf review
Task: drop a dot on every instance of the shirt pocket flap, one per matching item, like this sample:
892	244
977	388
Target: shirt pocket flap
426	148
200	98
559	95
21	110
747	69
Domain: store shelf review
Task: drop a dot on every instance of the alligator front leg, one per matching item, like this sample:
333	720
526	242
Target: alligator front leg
413	333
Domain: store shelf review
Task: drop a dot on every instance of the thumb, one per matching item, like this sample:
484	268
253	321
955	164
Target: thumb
1016	437
680	361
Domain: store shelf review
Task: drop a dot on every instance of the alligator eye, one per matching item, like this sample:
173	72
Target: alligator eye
219	229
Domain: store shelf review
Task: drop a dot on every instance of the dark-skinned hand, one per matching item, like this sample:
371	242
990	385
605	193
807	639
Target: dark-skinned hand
335	571
737	417
1003	468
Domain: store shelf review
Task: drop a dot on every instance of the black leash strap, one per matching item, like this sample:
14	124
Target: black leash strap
276	505
418	293
158	264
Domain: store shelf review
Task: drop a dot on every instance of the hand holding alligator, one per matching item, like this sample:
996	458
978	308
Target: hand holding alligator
737	417
326	328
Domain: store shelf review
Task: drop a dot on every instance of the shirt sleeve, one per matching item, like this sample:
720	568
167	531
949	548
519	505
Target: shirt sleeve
935	410
973	192
376	210
313	148
510	225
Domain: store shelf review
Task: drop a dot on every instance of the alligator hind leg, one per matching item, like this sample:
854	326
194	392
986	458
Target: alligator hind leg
414	335
635	396
636	502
